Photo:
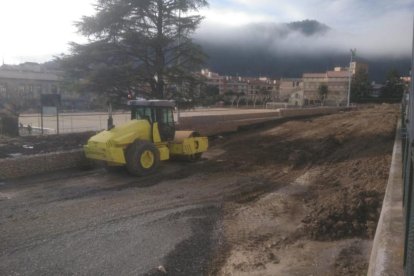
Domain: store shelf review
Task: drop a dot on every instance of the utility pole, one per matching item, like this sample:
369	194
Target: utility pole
180	82
110	122
353	52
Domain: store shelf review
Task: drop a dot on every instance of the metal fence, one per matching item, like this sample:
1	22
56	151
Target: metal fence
408	174
95	121
69	122
408	190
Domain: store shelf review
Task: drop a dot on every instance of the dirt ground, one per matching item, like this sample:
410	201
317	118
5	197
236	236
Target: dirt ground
326	181
295	198
27	145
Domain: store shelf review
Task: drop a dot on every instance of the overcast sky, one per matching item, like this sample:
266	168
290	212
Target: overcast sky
37	30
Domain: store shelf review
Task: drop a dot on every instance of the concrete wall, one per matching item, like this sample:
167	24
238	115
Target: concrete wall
388	247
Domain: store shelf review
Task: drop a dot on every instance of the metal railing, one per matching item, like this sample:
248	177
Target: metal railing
408	174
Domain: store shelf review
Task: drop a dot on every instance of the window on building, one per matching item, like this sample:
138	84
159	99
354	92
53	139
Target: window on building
20	90
54	89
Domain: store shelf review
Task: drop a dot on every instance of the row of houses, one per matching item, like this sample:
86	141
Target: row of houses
297	90
240	86
23	84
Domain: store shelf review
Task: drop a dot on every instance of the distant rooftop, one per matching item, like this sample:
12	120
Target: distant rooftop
29	71
47	76
328	74
314	75
338	74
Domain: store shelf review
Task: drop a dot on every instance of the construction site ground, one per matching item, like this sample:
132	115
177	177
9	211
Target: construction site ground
296	198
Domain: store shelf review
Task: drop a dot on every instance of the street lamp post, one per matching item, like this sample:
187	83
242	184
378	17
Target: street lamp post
353	51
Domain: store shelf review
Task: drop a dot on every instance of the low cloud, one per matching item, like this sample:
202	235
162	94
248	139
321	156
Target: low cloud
376	28
280	39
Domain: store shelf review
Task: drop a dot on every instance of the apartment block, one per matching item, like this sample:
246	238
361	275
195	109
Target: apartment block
236	85
212	78
240	85
23	84
356	66
336	81
289	86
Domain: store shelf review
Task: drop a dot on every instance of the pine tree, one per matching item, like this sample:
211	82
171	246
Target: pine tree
323	92
360	86
135	44
394	87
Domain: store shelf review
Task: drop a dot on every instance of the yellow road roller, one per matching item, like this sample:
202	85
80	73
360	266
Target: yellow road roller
150	137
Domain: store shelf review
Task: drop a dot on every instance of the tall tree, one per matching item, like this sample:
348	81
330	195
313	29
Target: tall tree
360	86
323	92
394	86
135	44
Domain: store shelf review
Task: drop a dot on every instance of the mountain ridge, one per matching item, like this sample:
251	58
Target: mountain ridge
285	50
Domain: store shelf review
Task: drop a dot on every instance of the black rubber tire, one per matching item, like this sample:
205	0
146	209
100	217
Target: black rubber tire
114	169
133	155
195	157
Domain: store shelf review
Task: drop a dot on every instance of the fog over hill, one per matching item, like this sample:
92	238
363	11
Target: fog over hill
290	49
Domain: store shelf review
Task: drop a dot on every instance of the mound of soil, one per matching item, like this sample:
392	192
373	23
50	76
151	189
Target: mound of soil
347	213
27	145
325	183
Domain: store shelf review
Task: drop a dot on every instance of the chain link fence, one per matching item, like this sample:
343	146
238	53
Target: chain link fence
69	122
30	124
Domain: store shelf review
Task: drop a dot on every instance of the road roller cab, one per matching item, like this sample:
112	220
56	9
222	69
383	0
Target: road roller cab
150	137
